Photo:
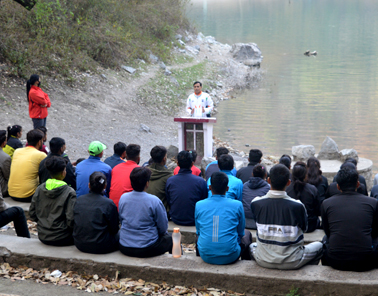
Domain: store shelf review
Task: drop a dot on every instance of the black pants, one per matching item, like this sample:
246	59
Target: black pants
26	199
37	122
162	245
111	245
17	215
244	245
60	243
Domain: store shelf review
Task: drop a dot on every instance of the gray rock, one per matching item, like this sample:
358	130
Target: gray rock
248	52
181	42
182	50
153	58
171	165
329	150
204	162
131	70
348	153
178	36
252	63
104	76
197	47
4	252
188	38
172	151
145	128
167	72
141	61
219	84
210	40
174	80
200	36
191	49
302	152
162	65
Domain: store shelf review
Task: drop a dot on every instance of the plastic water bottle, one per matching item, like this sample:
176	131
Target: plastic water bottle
176	238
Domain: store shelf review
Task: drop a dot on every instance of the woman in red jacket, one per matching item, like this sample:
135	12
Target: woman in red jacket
38	101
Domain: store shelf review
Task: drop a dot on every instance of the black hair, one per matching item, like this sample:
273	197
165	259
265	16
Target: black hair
279	176
33	79
348	165
221	150
347	179
3	136
79	160
194	155
196	83
299	174
259	171
219	183
43	129
55	165
352	160
255	155
285	160
314	173
97	180
184	160
158	153
56	144
34	136
132	151
13	130
226	162
139	177
119	148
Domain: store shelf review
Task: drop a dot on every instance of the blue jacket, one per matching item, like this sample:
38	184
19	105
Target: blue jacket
113	160
182	192
143	219
220	227
85	168
213	167
235	190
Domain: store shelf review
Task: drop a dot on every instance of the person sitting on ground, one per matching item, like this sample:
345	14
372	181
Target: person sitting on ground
44	148
350	225
235	190
184	190
13	140
93	164
118	156
333	189
52	206
121	173
5	164
96	219
220	225
285	160
160	174
144	222
281	222
213	166
256	186
254	158
315	177
374	192
195	171
306	193
23	180
57	147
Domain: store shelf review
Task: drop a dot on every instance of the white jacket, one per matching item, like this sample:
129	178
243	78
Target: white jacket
197	102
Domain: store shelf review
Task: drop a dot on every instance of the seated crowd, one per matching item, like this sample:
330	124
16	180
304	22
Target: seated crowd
101	207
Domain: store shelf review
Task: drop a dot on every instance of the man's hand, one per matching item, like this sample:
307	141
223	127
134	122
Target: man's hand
203	109
192	111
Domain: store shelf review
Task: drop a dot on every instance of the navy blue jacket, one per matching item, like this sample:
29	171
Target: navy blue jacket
113	160
183	191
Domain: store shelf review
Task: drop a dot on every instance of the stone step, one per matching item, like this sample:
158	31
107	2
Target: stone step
189	270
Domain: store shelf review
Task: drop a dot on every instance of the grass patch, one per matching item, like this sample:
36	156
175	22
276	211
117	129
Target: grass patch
180	59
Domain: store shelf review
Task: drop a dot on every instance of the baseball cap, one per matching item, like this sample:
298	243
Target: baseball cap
95	148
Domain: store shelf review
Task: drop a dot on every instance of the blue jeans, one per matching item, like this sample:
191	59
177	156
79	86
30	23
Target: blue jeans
37	122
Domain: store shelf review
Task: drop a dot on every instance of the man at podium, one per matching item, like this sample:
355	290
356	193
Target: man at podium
199	104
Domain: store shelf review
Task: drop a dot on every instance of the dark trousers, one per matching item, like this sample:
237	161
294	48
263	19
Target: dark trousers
17	215
37	122
244	245
162	245
60	243
111	245
26	199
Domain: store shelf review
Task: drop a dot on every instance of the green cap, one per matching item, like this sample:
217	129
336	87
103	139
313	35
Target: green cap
95	148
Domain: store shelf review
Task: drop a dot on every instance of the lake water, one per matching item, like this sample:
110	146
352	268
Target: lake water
301	99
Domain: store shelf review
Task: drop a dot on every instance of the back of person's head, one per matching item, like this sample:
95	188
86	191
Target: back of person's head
79	160
347	179
352	160
314	173
348	165
33	79
255	155
279	176
55	166
194	155
132	152
184	160
158	153
259	171
299	174
3	136
219	183
97	181
43	129
119	148
14	130
226	162
56	145
139	177
285	160
34	136
221	151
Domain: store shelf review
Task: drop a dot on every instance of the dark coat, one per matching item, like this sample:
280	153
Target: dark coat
332	190
246	172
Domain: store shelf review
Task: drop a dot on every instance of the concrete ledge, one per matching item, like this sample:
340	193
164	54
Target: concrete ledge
243	276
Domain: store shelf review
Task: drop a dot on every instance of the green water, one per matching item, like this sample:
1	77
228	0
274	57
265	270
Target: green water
301	99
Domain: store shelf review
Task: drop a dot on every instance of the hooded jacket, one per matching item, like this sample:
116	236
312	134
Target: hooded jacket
52	208
159	177
37	98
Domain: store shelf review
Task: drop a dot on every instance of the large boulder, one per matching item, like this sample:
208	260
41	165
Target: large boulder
329	150
204	162
172	152
302	152
247	52
348	153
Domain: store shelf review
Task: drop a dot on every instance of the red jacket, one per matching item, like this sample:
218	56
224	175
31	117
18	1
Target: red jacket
37	98
195	171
